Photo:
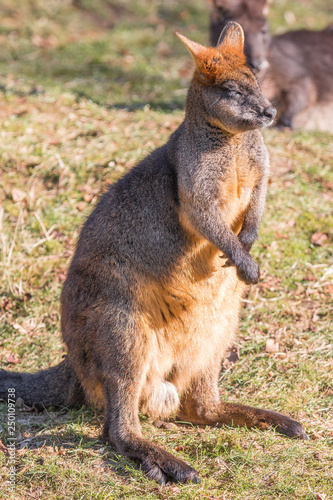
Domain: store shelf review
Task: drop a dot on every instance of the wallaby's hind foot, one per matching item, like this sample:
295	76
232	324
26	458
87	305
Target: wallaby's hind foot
203	406
122	430
280	423
157	463
163	467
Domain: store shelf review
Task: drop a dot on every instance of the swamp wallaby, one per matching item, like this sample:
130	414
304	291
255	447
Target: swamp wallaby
154	289
295	69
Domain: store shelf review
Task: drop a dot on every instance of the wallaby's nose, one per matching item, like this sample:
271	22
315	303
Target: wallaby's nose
260	63
270	112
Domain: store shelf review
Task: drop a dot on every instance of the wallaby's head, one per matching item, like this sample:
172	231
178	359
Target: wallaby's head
224	88
252	16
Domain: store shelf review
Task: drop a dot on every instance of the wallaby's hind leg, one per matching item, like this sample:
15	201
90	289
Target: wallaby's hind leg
202	405
124	374
122	429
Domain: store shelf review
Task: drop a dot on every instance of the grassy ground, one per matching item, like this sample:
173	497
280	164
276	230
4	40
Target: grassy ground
88	90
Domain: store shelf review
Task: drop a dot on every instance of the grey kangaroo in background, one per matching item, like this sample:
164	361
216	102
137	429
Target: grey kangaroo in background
295	69
153	293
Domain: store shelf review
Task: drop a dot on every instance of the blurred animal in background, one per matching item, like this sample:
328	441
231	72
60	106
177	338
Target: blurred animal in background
153	293
105	13
295	69
251	15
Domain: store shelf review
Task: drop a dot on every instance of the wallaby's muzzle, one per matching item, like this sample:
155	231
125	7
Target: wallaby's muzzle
269	114
258	64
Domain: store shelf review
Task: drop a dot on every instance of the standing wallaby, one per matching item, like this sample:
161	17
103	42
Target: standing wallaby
295	68
154	289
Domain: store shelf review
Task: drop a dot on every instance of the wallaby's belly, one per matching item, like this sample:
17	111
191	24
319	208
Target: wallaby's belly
208	330
189	343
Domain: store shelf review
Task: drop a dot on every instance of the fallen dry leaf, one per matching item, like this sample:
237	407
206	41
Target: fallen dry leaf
3	448
319	239
170	426
25	468
6	304
315	317
231	357
18	195
180	447
165	425
61	276
10	358
36	492
80	206
158	424
176	490
328	289
257	446
88	197
272	346
282	236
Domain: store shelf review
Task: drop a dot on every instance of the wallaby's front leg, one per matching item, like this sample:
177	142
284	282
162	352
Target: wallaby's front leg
203	406
253	214
205	214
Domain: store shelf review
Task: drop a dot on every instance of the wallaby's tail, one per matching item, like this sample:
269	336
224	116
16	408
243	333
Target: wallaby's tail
57	386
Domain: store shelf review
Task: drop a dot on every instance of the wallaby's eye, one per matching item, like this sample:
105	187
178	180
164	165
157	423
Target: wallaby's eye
231	88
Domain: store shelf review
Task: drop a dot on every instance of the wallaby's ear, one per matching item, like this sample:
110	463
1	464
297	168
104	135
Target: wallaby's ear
198	52
195	48
232	37
266	6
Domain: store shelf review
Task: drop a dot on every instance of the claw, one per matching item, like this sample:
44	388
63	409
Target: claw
163	480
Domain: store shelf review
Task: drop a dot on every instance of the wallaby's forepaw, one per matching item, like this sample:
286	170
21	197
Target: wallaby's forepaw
164	467
247	239
249	272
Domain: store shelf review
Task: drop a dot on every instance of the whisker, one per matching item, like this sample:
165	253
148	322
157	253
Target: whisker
214	102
